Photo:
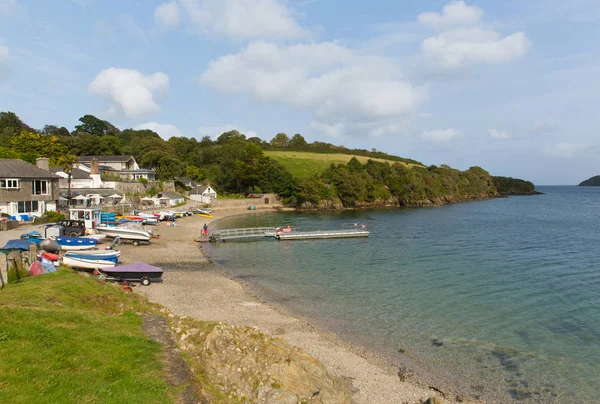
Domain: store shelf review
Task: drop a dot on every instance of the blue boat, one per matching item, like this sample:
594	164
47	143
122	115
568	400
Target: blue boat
111	256
75	243
17	245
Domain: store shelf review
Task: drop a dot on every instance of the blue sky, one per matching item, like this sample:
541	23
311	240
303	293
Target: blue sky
511	86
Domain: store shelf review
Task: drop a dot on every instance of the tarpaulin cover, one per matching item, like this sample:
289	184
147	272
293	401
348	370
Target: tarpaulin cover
17	245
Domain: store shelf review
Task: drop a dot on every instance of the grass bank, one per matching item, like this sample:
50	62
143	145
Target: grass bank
67	338
307	164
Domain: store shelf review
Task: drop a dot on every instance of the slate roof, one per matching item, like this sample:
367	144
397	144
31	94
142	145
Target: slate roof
10	168
170	195
199	190
105	159
76	174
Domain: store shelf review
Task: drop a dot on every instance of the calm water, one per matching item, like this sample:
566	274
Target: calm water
501	297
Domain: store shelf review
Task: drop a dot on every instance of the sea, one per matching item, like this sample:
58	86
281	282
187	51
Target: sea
496	299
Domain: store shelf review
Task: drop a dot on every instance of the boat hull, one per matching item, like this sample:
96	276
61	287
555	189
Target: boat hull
87	264
75	243
124	233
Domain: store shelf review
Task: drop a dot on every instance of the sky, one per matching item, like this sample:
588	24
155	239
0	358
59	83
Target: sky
511	86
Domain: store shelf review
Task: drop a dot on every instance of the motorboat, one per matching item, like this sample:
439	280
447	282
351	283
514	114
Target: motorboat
82	263
138	272
75	243
33	237
127	231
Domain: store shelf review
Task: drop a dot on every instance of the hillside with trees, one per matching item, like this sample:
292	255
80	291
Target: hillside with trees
591	182
234	164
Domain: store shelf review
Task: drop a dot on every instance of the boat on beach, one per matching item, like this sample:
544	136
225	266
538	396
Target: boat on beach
138	272
127	231
75	243
82	263
112	256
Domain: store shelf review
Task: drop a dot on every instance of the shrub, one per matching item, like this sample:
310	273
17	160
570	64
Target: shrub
50	216
143	181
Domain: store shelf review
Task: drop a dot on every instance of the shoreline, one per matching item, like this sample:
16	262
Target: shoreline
196	287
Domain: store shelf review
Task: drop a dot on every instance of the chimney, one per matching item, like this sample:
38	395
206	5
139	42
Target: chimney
42	162
94	166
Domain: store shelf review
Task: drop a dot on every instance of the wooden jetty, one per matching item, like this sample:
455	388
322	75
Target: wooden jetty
247	233
311	235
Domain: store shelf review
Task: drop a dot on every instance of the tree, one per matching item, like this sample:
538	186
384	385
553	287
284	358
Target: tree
54	130
36	143
280	140
227	136
298	141
95	126
67	162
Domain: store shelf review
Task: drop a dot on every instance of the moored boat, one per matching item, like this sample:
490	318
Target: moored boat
75	243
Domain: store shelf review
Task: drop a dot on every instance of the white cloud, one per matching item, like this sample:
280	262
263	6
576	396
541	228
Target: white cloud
166	131
564	149
463	41
130	91
441	135
167	14
497	134
244	19
338	86
453	14
214	131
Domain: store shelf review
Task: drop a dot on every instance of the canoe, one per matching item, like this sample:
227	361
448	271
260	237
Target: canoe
75	243
81	263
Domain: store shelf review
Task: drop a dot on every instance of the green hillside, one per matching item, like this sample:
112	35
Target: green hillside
308	164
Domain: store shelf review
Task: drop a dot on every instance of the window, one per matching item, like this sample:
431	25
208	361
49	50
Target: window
28	206
10	184
40	187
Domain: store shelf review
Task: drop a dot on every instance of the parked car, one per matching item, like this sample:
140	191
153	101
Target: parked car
72	228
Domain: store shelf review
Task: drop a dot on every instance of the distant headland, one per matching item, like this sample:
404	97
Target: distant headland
591	182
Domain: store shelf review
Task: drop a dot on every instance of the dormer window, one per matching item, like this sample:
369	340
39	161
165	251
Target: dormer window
10	183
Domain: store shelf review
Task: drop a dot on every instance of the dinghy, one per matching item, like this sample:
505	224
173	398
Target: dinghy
112	256
75	243
81	263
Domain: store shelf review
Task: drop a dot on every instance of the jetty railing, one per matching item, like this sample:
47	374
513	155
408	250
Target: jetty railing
242	233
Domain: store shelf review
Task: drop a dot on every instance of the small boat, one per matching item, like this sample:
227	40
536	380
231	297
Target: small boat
203	213
138	272
75	243
112	256
50	256
127	231
81	263
17	244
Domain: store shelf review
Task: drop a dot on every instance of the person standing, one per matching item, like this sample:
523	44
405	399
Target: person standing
205	230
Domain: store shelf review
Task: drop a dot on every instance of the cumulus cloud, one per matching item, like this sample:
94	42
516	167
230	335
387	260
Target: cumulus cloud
462	40
129	91
338	86
453	14
244	19
166	131
167	15
564	149
214	131
441	135
497	134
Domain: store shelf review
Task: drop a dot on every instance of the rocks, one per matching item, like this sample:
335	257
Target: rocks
244	362
433	400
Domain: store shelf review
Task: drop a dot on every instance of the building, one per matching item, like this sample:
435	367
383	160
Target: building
168	199
26	189
204	194
79	178
124	166
187	182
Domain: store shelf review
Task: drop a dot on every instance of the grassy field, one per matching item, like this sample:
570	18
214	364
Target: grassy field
306	164
69	339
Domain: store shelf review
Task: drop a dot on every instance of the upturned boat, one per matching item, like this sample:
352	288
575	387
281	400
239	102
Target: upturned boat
75	243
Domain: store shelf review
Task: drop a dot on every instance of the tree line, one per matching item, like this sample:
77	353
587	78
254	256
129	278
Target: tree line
235	164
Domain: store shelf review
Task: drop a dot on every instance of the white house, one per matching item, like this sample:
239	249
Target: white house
124	166
168	199
204	194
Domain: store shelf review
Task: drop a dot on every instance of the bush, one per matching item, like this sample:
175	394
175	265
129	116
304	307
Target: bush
50	216
143	181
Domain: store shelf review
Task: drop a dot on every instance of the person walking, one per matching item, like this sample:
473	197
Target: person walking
205	230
